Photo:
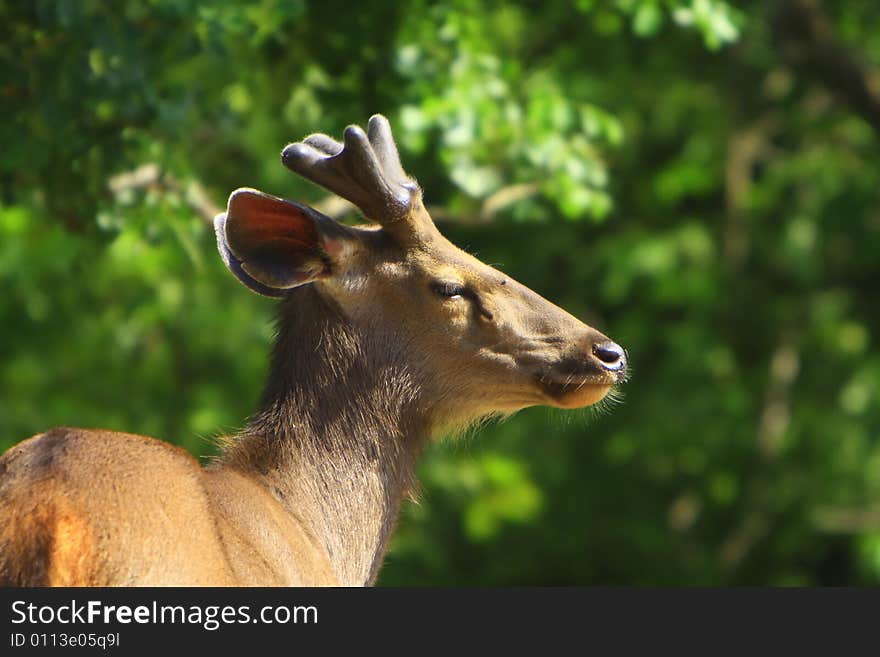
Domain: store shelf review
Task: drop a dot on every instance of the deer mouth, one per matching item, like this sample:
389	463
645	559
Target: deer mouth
576	393
576	384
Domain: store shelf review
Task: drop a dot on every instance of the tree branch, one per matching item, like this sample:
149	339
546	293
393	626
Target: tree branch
150	175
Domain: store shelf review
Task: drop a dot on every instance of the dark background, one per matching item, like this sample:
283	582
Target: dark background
697	178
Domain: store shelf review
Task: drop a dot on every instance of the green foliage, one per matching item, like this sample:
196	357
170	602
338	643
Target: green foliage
655	166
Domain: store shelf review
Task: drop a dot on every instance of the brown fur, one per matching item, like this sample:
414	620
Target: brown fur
370	362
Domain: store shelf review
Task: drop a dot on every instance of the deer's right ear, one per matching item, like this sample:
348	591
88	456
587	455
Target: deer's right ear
272	245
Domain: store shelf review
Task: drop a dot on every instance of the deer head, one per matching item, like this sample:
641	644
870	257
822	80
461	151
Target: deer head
476	341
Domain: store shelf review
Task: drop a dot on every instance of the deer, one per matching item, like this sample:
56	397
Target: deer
388	337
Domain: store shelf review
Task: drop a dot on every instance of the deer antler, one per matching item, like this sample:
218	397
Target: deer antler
365	169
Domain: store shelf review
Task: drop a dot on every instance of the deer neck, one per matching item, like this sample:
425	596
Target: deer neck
338	434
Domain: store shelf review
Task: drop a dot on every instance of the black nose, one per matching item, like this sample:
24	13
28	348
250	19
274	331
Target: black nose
611	354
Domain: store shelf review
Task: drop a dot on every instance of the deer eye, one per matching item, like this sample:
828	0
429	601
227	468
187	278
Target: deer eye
448	290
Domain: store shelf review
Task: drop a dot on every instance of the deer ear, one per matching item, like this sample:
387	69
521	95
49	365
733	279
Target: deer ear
270	244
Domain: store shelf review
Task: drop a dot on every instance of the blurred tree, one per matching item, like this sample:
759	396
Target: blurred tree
698	178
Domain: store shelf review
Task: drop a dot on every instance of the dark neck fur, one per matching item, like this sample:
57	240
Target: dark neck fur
340	427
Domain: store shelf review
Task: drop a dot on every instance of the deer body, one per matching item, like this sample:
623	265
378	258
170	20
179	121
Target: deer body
387	337
99	508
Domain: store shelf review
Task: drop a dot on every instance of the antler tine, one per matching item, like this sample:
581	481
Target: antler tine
311	163
323	143
364	169
382	141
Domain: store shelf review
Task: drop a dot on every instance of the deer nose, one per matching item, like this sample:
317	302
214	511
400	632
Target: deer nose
611	355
